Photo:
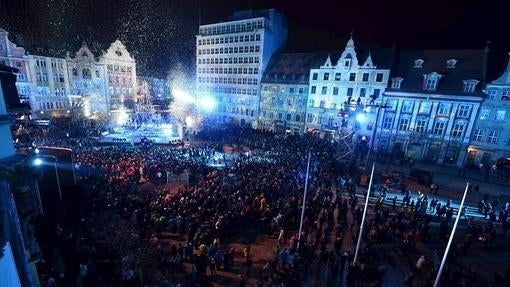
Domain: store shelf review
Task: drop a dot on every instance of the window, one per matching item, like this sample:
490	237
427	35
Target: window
311	103
315	76
322	104
485	113
335	91
450	64
469	86
407	107
352	77
326	77
387	121
379	77
439	127
443	109
491	93
500	115
477	135
403	124
421	125
430	84
493	137
324	90
362	92
396	82
349	92
86	74
309	118
506	95
313	90
458	129
463	111
301	90
377	92
337	76
365	77
418	63
292	90
424	108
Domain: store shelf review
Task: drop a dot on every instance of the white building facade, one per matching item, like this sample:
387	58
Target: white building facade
340	91
88	77
231	58
433	101
42	81
490	140
120	75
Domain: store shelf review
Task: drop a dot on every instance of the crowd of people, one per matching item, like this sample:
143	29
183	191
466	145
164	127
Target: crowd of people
122	237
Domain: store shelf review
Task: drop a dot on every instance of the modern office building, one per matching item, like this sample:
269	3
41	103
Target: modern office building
490	139
433	101
231	58
284	92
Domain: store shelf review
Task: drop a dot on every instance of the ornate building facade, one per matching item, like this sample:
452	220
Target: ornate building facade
490	139
433	101
88	77
120	75
342	92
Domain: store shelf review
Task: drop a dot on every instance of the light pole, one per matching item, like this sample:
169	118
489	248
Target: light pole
304	198
374	130
38	162
364	215
443	261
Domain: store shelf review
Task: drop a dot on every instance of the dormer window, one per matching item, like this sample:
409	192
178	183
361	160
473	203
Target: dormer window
450	64
430	81
418	63
396	82
470	85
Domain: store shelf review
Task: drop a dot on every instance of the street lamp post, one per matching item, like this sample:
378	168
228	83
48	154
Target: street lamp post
374	130
443	261
38	161
364	215
304	198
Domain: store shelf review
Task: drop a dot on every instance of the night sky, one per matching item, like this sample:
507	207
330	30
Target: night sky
160	34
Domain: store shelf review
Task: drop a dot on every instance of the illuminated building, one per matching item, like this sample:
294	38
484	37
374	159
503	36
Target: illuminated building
284	92
42	77
120	75
490	139
342	84
434	97
88	77
231	58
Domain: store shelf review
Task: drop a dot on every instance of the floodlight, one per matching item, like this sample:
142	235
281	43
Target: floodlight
360	118
38	162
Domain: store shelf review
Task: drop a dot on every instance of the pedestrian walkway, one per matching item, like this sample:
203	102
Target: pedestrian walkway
451	184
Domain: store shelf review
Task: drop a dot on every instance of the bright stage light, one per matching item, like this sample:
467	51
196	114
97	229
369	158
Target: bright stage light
38	162
166	129
360	118
122	117
189	121
207	103
182	96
